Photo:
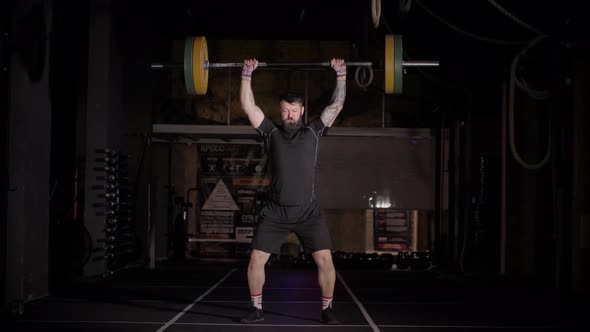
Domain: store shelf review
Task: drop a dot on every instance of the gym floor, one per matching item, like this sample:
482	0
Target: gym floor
211	295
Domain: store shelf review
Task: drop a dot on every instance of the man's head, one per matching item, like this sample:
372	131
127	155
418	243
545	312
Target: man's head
292	109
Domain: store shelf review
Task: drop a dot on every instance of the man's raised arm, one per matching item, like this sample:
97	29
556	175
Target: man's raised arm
331	111
254	113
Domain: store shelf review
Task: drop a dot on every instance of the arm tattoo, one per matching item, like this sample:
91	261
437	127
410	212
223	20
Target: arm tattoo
331	111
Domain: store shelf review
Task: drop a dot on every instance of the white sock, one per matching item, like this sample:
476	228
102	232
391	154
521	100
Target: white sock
257	300
326	302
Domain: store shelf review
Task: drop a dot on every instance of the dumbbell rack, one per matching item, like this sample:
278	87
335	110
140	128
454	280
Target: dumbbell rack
120	242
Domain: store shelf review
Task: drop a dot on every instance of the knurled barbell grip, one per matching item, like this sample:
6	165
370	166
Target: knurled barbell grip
295	65
279	65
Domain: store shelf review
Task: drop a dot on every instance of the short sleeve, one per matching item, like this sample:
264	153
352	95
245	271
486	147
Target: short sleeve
266	127
318	126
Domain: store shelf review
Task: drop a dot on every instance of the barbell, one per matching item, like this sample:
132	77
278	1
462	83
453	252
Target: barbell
196	65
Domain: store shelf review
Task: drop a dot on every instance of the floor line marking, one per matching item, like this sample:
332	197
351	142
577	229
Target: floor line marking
359	304
175	318
293	325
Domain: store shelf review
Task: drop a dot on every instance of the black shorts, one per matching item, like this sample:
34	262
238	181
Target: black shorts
276	222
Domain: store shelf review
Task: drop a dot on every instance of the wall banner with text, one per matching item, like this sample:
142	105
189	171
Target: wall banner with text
231	177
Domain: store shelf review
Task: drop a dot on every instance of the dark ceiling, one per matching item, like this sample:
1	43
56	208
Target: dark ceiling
474	37
338	19
462	32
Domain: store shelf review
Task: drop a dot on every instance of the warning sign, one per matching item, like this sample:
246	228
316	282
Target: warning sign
233	179
220	199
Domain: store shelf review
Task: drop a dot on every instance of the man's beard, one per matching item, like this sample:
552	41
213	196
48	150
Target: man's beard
292	126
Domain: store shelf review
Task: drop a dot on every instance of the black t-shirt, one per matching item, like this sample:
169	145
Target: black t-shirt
293	157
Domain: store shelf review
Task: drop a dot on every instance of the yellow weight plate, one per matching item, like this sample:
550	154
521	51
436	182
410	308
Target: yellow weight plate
389	64
200	60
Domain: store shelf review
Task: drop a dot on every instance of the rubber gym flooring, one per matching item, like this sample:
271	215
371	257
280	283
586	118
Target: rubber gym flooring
211	295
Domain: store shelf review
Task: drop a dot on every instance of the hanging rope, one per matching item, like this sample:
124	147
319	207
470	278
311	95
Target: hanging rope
532	93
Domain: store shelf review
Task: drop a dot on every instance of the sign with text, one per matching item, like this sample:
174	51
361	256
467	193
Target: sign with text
392	229
231	176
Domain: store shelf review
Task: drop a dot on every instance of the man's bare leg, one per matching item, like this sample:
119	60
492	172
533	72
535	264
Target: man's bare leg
256	278
327	280
326	272
256	274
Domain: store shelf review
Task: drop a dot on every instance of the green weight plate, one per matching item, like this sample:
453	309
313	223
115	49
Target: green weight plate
188	65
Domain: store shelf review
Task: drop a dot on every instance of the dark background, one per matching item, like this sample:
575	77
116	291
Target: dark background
76	76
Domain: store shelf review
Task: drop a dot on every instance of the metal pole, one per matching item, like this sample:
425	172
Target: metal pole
228	97
503	176
151	231
306	86
382	110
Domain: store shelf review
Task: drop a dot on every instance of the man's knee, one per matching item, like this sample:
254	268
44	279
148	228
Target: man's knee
323	259
258	259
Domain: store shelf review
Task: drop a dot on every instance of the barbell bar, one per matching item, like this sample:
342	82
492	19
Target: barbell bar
283	64
196	65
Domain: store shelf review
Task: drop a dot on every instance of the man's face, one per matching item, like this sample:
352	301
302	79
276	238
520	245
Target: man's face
291	114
